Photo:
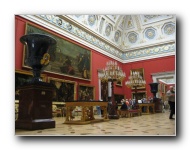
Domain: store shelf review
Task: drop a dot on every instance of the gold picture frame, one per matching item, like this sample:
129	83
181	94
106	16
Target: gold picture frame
22	77
86	92
66	57
141	71
65	90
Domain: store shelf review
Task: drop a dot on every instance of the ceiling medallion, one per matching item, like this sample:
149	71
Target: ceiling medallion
132	37
150	33
169	29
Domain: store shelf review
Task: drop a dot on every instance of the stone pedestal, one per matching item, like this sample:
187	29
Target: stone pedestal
35	106
158	105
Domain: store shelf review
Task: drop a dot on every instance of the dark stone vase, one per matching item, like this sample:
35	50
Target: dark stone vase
37	46
154	88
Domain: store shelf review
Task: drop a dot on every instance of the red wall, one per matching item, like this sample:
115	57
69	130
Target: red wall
98	62
150	66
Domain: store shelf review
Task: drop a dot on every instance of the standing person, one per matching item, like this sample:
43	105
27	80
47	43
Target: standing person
171	100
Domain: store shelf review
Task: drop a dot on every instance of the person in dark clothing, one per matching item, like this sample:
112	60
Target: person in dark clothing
171	100
124	105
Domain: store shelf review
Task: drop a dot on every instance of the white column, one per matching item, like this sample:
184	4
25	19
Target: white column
109	89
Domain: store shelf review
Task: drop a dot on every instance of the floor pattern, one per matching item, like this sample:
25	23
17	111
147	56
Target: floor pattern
157	124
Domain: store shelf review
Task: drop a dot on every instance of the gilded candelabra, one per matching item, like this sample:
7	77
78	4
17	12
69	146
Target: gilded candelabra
112	73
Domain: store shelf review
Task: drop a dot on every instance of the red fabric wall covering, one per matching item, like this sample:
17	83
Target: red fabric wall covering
99	62
150	66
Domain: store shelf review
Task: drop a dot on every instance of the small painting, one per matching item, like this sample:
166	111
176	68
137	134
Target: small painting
86	92
22	77
65	90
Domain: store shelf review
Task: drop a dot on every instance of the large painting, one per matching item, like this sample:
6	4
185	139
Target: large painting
66	58
141	72
22	77
86	92
65	90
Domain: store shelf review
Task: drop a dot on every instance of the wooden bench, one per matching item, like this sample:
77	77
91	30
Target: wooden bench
123	113
132	112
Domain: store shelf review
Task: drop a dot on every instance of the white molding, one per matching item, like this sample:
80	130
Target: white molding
161	75
149	45
149	57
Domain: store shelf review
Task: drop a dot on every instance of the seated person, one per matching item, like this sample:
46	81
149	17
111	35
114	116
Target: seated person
144	100
128	104
124	105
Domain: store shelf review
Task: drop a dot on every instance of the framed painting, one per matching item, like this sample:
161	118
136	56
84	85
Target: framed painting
119	97
86	92
141	72
139	95
65	90
66	58
22	77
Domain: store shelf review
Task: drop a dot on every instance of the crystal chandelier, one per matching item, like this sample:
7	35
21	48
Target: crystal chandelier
112	72
135	80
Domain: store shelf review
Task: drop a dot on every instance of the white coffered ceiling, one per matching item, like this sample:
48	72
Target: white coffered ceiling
128	32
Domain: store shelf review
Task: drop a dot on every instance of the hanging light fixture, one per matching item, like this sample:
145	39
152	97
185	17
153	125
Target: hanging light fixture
112	73
135	80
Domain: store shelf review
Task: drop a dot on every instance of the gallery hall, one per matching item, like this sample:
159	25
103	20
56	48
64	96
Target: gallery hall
95	75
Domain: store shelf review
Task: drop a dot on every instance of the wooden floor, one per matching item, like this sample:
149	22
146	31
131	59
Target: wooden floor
157	124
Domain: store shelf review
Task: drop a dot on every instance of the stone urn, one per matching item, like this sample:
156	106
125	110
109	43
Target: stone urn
154	88
37	57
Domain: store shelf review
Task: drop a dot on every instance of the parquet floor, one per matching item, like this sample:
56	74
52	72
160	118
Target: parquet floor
157	124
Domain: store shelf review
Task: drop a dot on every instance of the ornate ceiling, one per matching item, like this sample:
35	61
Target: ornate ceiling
126	38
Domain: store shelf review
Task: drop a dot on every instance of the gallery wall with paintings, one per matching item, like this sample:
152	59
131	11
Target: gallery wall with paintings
74	66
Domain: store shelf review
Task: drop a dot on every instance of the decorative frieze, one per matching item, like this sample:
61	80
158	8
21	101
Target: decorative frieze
150	51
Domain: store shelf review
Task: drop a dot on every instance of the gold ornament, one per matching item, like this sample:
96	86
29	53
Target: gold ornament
45	59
